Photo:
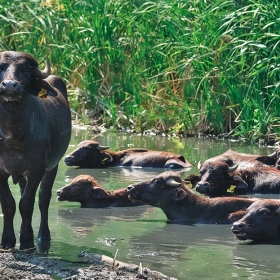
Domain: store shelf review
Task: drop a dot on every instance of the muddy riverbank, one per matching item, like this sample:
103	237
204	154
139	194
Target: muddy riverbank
22	265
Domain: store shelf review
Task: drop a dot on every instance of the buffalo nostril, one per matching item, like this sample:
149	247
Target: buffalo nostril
237	225
202	184
9	84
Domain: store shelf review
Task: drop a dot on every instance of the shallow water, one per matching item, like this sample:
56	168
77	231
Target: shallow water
142	234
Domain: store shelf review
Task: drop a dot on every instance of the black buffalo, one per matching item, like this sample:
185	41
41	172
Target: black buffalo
261	222
169	192
35	130
85	190
89	154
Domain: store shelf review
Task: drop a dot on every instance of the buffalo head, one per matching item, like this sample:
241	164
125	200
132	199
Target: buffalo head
88	154
215	178
161	191
276	157
82	189
261	222
19	75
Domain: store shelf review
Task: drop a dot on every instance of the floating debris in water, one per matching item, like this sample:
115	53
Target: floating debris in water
107	241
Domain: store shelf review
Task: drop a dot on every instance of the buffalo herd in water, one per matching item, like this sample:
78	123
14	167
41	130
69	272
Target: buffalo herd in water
35	131
223	181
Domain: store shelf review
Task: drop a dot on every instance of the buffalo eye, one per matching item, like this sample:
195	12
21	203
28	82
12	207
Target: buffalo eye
154	183
264	212
25	69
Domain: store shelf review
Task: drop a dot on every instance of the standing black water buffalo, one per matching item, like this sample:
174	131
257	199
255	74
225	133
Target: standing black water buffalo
261	222
217	177
89	154
168	192
34	135
90	194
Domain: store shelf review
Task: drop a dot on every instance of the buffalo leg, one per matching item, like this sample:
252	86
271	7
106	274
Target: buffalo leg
26	207
8	209
44	202
22	185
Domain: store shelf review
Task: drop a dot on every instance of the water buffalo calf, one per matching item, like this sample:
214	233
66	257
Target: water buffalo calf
168	192
90	194
89	154
34	135
217	177
261	222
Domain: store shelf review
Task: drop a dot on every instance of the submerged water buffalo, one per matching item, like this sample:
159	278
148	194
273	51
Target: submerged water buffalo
217	177
234	160
169	192
89	154
243	160
261	222
34	135
90	194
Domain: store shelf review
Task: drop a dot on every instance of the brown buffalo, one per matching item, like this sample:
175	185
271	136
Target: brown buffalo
261	222
239	160
243	160
89	154
168	192
90	194
34	135
217	177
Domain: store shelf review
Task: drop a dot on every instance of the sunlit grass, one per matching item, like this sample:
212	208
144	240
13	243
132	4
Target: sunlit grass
177	66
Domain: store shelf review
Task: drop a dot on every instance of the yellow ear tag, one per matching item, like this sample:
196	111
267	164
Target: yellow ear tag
104	160
188	184
42	93
231	189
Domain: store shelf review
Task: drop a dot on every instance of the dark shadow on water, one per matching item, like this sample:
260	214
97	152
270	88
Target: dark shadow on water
259	242
181	223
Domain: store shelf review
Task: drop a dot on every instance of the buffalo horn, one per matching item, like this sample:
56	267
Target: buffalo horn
172	183
273	154
101	148
277	211
232	168
199	165
44	73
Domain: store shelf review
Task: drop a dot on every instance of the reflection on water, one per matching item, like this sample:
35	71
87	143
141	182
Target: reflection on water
142	234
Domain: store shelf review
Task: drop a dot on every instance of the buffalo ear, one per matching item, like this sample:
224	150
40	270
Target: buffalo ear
105	157
178	194
235	216
41	88
239	182
277	211
99	193
193	179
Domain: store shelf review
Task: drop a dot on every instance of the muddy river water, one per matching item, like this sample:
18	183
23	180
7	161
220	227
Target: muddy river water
142	234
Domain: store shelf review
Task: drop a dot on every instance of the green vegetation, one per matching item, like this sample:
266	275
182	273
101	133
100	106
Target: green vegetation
178	66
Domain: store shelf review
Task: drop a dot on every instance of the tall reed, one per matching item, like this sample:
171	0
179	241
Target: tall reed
177	66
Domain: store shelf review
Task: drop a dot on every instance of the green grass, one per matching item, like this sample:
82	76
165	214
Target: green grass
176	66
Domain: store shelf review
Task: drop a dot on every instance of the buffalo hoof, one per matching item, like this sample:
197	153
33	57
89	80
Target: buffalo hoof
8	243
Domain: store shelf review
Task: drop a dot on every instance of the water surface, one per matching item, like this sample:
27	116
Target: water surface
142	234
